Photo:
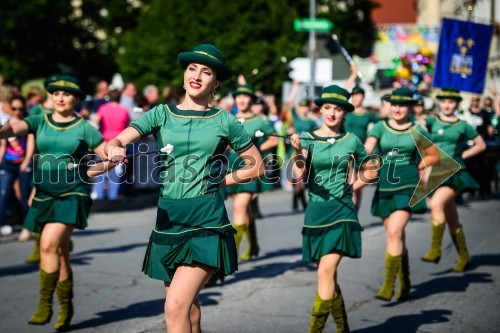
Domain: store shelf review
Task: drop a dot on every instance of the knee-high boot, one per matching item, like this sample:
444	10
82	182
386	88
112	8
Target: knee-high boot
392	265
64	292
302	197
434	254
43	313
253	245
404	278
463	255
319	316
240	230
339	314
34	258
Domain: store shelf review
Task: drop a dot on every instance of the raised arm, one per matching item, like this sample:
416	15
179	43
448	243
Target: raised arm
293	93
352	78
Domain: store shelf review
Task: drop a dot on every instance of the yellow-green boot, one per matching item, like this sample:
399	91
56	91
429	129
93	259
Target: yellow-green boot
463	255
319	316
43	313
404	278
238	237
434	254
253	246
339	314
64	292
34	258
392	265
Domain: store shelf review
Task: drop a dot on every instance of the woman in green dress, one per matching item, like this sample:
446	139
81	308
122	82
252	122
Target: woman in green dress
192	238
398	178
451	135
62	200
358	123
242	194
331	227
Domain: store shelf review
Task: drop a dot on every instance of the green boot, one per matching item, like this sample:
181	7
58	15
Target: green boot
463	255
339	314
392	265
64	292
404	278
43	313
34	258
434	254
238	237
321	311
253	246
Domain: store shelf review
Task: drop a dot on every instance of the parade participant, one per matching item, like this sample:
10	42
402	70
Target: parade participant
398	178
242	194
358	123
331	227
451	134
59	206
16	155
47	106
193	237
419	114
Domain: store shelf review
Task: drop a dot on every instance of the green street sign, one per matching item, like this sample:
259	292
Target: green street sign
319	24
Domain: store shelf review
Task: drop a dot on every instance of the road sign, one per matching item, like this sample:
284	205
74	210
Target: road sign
319	24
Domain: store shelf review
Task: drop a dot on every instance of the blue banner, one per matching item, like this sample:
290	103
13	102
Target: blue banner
463	55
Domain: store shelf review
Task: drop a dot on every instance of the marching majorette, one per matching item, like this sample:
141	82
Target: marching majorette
398	178
192	238
331	228
451	135
242	194
62	200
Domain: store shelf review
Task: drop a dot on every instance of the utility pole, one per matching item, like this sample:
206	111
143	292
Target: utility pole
312	48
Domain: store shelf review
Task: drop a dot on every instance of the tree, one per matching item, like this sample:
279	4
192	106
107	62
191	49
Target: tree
251	34
353	23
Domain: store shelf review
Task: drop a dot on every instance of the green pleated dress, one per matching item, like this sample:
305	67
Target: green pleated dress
451	138
191	224
251	125
62	195
398	175
331	221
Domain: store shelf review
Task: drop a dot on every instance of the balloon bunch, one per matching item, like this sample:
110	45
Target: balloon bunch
414	70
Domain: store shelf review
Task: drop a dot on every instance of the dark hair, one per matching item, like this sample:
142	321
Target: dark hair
23	102
114	95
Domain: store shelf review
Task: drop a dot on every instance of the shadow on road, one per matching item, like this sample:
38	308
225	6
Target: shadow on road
140	201
278	214
138	310
458	283
408	323
87	233
209	298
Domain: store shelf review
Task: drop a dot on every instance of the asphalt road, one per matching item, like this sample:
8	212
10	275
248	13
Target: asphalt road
273	293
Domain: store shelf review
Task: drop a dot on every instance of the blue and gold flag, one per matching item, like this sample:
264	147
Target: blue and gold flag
463	55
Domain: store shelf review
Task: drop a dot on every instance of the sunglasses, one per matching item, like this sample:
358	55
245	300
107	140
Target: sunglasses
17	109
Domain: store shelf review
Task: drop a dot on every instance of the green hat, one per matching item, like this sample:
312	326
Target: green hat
50	79
449	93
402	96
304	102
244	89
335	95
357	90
66	83
209	55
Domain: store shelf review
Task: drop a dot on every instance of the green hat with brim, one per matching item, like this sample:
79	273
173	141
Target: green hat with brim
244	89
335	95
50	79
208	55
66	83
402	96
449	93
419	99
357	90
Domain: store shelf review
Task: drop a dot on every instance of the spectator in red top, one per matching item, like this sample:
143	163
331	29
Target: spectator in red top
112	118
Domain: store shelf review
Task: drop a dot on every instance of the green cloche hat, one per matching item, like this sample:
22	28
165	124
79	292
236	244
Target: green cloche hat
335	95
419	99
66	83
402	96
48	80
449	93
209	55
244	89
357	90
